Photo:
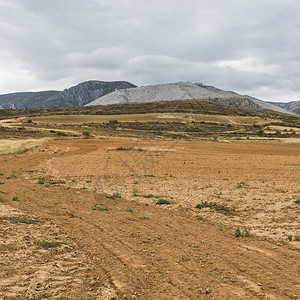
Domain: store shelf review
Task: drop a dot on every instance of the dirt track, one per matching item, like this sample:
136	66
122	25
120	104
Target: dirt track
136	249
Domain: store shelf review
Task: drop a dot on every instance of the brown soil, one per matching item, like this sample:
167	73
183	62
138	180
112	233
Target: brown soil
130	248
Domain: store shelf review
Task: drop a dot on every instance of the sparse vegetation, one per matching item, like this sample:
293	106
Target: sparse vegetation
217	207
45	180
242	184
99	207
163	201
114	195
48	245
244	233
19	219
129	149
15	198
23	297
61	133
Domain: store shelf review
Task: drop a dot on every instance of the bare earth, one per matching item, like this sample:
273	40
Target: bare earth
128	247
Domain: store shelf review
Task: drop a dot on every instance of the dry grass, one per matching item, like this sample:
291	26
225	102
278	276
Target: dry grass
18	146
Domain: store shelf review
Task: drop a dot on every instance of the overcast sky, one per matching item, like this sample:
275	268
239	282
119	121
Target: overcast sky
247	46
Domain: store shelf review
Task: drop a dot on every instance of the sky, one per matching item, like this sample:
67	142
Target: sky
247	46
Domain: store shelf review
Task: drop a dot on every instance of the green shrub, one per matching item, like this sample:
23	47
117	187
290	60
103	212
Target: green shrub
47	245
162	201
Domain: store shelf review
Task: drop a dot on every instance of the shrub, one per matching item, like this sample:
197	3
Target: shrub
162	201
47	245
217	207
238	233
60	133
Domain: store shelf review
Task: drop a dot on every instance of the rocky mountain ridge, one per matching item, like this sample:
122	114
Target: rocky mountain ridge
100	93
293	106
78	95
185	91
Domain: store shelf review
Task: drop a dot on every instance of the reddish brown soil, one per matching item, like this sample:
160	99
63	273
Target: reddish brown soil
139	250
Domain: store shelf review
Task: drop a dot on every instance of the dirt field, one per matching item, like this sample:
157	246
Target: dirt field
97	202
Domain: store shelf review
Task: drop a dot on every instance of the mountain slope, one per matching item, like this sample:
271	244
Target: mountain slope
177	91
85	92
25	99
293	106
78	95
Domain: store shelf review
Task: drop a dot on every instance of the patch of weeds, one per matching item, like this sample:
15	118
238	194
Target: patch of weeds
86	134
217	207
129	149
114	195
16	198
98	207
2	192
60	133
150	175
238	233
11	176
59	181
161	201
290	238
242	184
29	171
88	181
1	174
149	196
129	210
47	245
136	182
297	201
199	217
293	165
143	218
41	180
52	131
19	219
22	297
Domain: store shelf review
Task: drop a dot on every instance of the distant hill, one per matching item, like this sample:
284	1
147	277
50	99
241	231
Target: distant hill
25	99
185	91
78	95
293	106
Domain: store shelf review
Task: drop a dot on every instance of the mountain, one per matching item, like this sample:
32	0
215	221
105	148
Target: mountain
85	92
25	99
184	91
78	95
293	106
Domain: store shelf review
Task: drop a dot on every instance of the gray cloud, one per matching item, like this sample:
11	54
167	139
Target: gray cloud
246	46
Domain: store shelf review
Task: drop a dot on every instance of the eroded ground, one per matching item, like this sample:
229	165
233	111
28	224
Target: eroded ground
99	198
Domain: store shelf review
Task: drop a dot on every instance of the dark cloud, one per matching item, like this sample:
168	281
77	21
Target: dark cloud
246	46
